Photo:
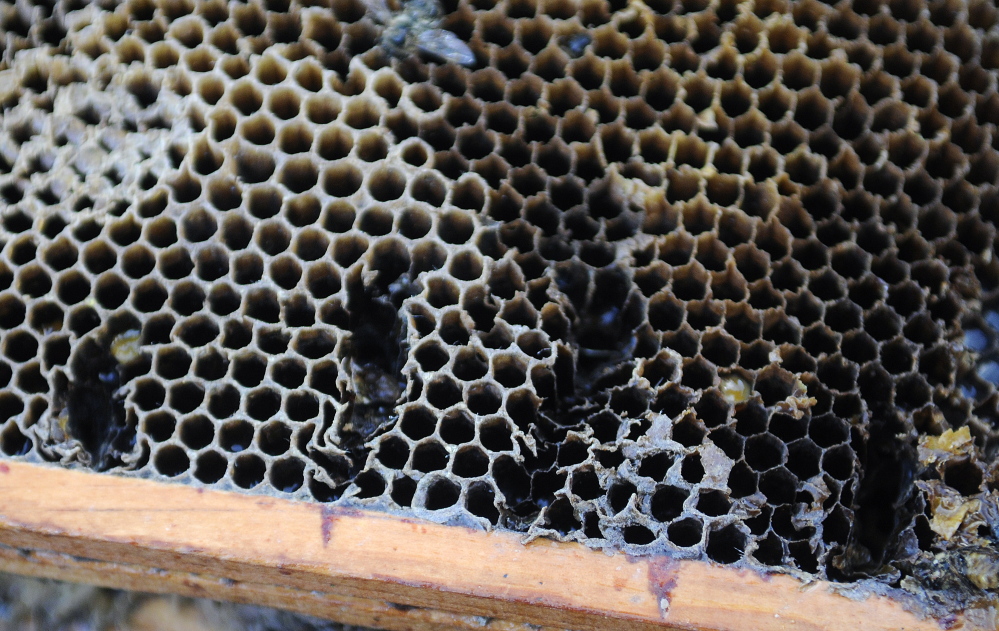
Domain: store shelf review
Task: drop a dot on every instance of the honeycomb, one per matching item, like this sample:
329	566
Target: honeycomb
704	278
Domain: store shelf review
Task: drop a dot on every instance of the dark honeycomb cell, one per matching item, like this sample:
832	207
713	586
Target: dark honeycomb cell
197	431
394	453
13	442
210	467
441	493
686	532
236	436
726	545
171	461
429	456
403	490
470	462
287	474
248	471
418	422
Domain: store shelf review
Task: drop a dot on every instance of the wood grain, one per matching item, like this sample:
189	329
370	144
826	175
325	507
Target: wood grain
345	609
282	550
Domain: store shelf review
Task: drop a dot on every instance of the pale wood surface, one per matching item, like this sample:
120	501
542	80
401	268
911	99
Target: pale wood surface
344	609
278	552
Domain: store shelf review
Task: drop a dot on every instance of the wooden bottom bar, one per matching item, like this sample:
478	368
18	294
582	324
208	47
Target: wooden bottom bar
345	609
381	570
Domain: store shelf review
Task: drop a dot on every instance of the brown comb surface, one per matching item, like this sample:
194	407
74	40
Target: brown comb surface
707	279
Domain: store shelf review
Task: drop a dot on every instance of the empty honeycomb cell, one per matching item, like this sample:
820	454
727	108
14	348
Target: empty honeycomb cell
470	462
187	298
10	405
483	398
418	422
778	485
46	317
298	311
98	257
30	379
431	356
222	403
301	407
171	461
287	474
764	451
137	261
284	103
441	493
310	245
299	175
323	378
22	251
248	370
585	484
223	300
20	346
289	373
838	462
686	532
295	138
197	432
321	111
726	545
12	311
210	467
254	166
248	470
224	194
429	456
386	185
13	442
235	436
223	125
258	130
393	453
348	249
403	490
172	363
322	280
339	217
481	501
211	365
185	397
342	180
245	97
358	114
442	393
638	535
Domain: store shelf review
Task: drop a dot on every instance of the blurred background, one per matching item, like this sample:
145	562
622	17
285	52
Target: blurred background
28	604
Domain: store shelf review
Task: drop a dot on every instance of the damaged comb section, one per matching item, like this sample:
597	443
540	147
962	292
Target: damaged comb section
91	422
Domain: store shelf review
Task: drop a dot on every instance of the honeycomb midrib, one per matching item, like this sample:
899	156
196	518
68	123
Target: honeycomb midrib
655	265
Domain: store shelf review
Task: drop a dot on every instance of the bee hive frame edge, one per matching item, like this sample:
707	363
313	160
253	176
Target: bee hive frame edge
383	570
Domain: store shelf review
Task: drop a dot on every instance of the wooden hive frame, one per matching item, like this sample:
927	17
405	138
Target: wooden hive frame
374	569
